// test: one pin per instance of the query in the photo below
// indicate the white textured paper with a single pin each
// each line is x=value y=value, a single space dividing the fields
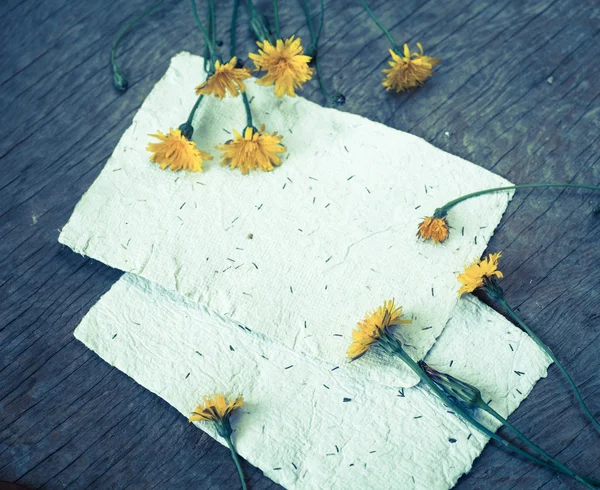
x=304 y=425
x=301 y=253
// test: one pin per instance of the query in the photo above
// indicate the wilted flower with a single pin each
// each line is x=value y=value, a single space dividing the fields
x=433 y=228
x=226 y=78
x=285 y=63
x=177 y=152
x=408 y=71
x=254 y=150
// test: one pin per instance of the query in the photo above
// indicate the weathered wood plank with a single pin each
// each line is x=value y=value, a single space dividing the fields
x=516 y=92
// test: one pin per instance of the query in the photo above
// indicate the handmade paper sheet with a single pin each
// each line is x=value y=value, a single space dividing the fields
x=303 y=424
x=299 y=254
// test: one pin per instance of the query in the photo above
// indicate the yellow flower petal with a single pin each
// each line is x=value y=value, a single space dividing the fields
x=254 y=150
x=408 y=71
x=432 y=228
x=177 y=152
x=285 y=63
x=475 y=273
x=372 y=327
x=226 y=78
x=215 y=408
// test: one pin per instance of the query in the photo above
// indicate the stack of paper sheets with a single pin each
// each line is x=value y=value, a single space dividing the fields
x=253 y=284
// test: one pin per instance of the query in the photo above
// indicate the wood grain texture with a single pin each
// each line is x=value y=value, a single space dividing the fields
x=517 y=92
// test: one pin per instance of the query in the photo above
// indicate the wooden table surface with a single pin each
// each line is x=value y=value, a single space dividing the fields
x=517 y=92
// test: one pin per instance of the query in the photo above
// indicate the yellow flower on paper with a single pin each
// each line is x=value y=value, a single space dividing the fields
x=216 y=408
x=285 y=63
x=432 y=228
x=254 y=150
x=408 y=71
x=176 y=151
x=226 y=78
x=474 y=275
x=373 y=327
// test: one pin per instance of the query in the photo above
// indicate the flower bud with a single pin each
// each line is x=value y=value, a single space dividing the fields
x=337 y=99
x=187 y=130
x=119 y=80
x=462 y=392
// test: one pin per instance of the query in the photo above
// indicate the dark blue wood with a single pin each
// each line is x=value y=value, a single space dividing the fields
x=517 y=92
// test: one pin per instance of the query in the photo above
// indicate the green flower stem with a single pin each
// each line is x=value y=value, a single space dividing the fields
x=193 y=111
x=204 y=32
x=233 y=39
x=125 y=30
x=443 y=211
x=397 y=349
x=248 y=110
x=236 y=460
x=313 y=50
x=395 y=47
x=588 y=482
x=549 y=352
x=276 y=19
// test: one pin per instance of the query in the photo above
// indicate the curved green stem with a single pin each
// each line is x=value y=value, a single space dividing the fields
x=248 y=110
x=204 y=32
x=559 y=365
x=236 y=460
x=465 y=416
x=122 y=32
x=193 y=111
x=276 y=19
x=380 y=25
x=443 y=211
x=588 y=482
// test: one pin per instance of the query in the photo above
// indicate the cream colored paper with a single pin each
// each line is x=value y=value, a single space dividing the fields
x=305 y=425
x=301 y=253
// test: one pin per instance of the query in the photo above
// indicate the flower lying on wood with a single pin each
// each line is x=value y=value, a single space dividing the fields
x=484 y=275
x=376 y=329
x=226 y=78
x=285 y=63
x=255 y=149
x=409 y=70
x=440 y=219
x=177 y=152
x=218 y=410
x=433 y=228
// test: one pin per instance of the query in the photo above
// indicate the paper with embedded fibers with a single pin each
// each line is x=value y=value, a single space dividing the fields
x=305 y=425
x=299 y=254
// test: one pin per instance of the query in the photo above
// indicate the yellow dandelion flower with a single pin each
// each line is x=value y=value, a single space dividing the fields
x=176 y=151
x=434 y=228
x=254 y=150
x=216 y=408
x=408 y=71
x=226 y=78
x=373 y=327
x=285 y=63
x=474 y=275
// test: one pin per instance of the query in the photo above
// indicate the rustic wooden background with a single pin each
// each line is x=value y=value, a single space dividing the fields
x=517 y=92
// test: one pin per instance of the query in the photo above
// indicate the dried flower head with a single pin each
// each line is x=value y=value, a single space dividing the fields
x=285 y=63
x=408 y=71
x=433 y=228
x=476 y=273
x=215 y=408
x=254 y=150
x=373 y=327
x=176 y=151
x=226 y=78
